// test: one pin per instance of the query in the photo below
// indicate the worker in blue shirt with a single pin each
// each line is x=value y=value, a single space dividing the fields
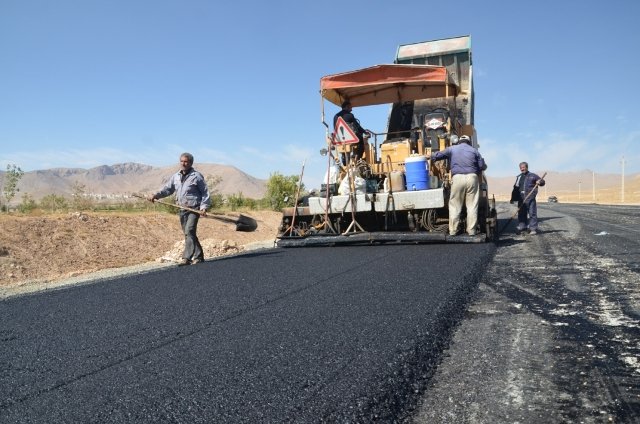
x=466 y=169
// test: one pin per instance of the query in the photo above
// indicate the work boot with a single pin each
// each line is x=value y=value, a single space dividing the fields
x=184 y=262
x=197 y=261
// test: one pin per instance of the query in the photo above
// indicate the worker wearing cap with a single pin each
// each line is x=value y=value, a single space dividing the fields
x=192 y=193
x=526 y=186
x=466 y=168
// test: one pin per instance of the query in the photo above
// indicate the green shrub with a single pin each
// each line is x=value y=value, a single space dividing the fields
x=10 y=186
x=27 y=204
x=281 y=190
x=80 y=201
x=54 y=203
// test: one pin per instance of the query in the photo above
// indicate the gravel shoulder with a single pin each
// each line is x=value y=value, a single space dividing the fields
x=46 y=252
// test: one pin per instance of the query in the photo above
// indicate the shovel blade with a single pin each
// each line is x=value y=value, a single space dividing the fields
x=243 y=223
x=246 y=224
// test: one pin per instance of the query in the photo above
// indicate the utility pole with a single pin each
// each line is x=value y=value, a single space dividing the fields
x=622 y=191
x=579 y=191
x=593 y=184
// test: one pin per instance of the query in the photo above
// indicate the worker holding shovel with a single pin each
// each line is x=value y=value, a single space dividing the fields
x=192 y=197
x=524 y=192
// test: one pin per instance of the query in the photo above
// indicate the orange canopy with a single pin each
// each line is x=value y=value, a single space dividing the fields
x=382 y=84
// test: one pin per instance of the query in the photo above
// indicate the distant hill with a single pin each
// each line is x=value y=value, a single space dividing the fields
x=127 y=178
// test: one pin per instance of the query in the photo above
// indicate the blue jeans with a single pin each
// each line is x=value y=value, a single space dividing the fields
x=192 y=247
x=530 y=208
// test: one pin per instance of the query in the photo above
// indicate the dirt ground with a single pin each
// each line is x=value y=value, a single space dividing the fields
x=49 y=248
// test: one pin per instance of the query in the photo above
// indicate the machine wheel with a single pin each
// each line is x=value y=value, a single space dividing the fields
x=483 y=214
x=492 y=231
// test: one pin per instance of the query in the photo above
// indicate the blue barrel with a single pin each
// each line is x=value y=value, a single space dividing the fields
x=416 y=173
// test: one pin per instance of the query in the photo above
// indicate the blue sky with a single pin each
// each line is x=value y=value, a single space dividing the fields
x=85 y=83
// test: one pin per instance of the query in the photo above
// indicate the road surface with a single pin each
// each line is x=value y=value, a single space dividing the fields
x=286 y=335
x=540 y=329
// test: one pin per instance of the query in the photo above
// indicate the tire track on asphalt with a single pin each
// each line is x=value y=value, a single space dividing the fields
x=552 y=336
x=590 y=299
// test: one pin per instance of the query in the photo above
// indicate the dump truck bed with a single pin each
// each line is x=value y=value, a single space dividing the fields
x=452 y=53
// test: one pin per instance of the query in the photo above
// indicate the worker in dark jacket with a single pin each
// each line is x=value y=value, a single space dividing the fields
x=347 y=114
x=466 y=169
x=525 y=190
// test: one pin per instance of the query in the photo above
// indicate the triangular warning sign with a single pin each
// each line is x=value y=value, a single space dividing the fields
x=343 y=133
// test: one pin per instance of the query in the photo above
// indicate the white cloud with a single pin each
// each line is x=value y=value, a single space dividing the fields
x=479 y=72
x=562 y=152
x=499 y=99
x=70 y=158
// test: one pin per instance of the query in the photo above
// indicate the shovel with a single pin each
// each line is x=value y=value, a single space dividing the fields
x=243 y=223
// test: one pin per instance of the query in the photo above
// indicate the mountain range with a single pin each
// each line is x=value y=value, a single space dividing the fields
x=127 y=178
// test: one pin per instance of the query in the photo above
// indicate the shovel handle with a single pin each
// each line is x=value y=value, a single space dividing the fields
x=242 y=222
x=170 y=204
x=179 y=207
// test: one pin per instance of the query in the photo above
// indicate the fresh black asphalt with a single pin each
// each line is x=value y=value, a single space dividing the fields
x=342 y=334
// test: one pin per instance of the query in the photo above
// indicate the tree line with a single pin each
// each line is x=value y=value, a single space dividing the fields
x=281 y=191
